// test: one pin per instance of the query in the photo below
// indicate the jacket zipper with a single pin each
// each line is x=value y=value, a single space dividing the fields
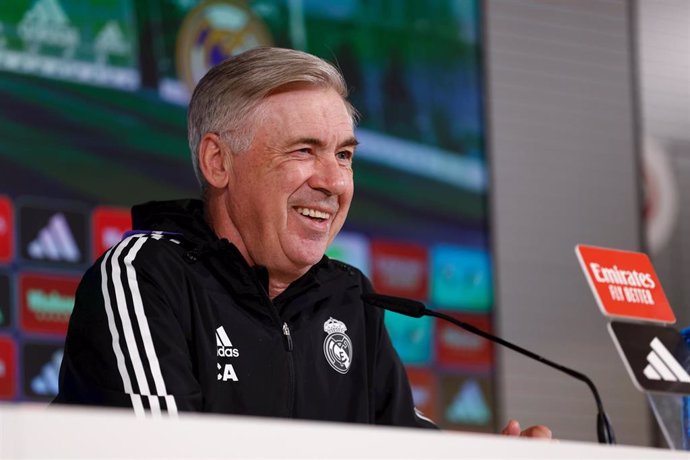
x=285 y=329
x=291 y=367
x=288 y=337
x=288 y=347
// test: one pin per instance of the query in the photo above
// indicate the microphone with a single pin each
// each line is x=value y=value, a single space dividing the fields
x=416 y=309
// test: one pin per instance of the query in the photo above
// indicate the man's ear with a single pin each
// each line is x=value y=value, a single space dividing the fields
x=214 y=162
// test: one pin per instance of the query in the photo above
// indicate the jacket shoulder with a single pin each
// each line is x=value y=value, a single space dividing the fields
x=337 y=268
x=151 y=243
x=145 y=252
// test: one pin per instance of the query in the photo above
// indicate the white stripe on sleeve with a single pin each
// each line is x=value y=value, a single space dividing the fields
x=128 y=331
x=119 y=357
x=142 y=321
x=121 y=303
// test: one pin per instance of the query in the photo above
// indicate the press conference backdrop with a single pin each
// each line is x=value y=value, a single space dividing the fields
x=93 y=99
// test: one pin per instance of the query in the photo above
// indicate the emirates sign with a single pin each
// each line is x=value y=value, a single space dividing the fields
x=625 y=284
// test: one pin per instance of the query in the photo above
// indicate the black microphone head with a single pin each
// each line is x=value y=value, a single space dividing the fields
x=400 y=305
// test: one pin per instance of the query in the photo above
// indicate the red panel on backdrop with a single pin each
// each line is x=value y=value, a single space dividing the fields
x=46 y=302
x=458 y=348
x=424 y=391
x=6 y=229
x=400 y=269
x=8 y=368
x=107 y=227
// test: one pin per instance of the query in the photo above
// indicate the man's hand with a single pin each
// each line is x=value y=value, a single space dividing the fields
x=537 y=431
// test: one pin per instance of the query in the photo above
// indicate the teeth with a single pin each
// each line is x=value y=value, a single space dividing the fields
x=313 y=213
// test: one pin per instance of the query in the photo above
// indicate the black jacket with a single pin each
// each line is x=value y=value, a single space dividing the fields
x=173 y=319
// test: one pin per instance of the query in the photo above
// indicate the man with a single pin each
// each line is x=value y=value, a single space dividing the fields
x=229 y=304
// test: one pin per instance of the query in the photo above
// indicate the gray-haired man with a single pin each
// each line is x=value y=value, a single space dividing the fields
x=228 y=304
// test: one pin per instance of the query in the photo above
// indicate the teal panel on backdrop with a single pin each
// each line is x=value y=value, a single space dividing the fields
x=461 y=278
x=411 y=337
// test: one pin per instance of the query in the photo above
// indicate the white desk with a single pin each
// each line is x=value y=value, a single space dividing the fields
x=30 y=431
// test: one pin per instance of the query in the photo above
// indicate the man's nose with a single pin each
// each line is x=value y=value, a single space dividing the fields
x=330 y=176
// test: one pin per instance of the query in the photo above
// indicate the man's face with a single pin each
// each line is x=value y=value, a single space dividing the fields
x=290 y=192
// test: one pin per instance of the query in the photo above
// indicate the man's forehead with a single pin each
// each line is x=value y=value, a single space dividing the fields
x=312 y=116
x=347 y=141
x=309 y=97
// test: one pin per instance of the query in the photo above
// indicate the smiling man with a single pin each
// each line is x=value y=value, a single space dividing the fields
x=228 y=304
x=283 y=200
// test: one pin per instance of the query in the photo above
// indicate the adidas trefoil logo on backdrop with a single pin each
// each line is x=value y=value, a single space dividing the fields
x=225 y=350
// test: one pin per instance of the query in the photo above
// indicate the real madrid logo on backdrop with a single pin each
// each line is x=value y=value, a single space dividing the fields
x=214 y=31
x=337 y=346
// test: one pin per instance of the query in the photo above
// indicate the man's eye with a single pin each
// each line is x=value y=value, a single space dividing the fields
x=344 y=155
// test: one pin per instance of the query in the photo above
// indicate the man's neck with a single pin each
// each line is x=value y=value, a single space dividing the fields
x=275 y=287
x=223 y=227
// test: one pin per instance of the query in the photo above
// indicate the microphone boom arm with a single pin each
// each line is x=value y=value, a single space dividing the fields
x=605 y=433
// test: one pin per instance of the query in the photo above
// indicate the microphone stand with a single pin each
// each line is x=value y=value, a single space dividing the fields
x=605 y=432
x=416 y=309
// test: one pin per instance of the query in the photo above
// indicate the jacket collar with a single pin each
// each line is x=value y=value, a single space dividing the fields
x=186 y=218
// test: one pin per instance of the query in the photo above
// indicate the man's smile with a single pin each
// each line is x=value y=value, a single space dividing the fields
x=313 y=213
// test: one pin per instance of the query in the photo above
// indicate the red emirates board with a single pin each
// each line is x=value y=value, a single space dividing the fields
x=46 y=302
x=625 y=284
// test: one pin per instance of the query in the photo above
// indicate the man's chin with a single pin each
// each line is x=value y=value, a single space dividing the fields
x=308 y=255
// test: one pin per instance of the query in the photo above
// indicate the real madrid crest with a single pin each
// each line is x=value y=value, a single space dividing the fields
x=337 y=346
x=212 y=32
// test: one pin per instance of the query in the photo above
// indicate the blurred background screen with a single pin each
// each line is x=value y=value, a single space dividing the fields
x=92 y=120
